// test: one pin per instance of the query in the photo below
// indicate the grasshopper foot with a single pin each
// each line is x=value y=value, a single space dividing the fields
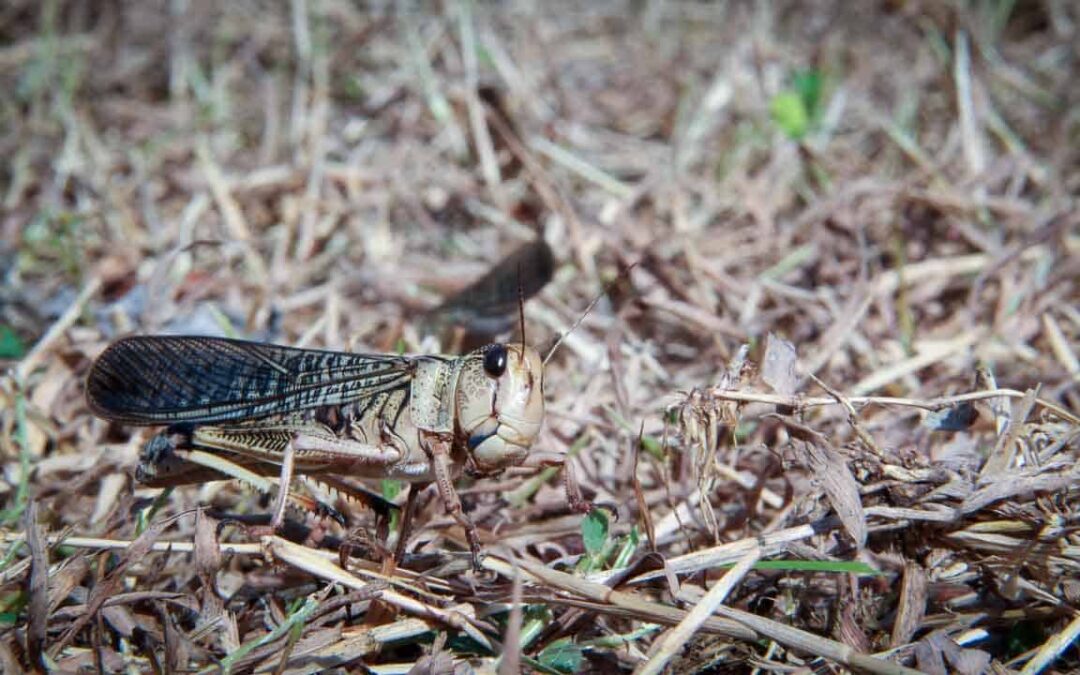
x=587 y=507
x=476 y=553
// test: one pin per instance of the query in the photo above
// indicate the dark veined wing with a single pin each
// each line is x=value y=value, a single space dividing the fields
x=199 y=380
x=488 y=306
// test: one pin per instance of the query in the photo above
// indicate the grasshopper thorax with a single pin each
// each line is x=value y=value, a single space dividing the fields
x=500 y=405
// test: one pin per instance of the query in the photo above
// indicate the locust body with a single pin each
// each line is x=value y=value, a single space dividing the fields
x=257 y=409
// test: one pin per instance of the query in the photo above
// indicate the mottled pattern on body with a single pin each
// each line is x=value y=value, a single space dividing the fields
x=433 y=390
x=473 y=384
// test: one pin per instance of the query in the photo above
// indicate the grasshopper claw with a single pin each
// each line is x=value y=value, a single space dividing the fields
x=478 y=560
x=610 y=508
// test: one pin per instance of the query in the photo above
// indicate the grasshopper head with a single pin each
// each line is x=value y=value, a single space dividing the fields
x=500 y=405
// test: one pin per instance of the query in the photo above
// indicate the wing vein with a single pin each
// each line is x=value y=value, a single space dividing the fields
x=167 y=379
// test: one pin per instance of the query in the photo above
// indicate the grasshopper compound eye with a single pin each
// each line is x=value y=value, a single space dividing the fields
x=495 y=360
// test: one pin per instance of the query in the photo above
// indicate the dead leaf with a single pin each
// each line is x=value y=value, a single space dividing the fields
x=120 y=619
x=8 y=662
x=969 y=661
x=929 y=658
x=841 y=488
x=38 y=586
x=850 y=631
x=108 y=586
x=937 y=648
x=67 y=579
x=207 y=550
x=111 y=487
x=434 y=664
x=912 y=604
x=779 y=366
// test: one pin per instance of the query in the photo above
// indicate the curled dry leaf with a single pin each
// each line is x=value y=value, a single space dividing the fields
x=831 y=471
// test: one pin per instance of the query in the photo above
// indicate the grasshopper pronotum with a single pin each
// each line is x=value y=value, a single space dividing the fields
x=247 y=409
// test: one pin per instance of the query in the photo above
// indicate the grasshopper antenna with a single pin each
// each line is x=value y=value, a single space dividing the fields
x=521 y=316
x=604 y=291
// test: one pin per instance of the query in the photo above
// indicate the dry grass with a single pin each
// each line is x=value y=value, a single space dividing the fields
x=318 y=175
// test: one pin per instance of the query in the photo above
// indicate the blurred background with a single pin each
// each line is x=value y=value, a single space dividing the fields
x=888 y=186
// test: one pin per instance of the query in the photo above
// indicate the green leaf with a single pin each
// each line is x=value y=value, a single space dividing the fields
x=653 y=447
x=1024 y=636
x=790 y=114
x=14 y=602
x=810 y=84
x=535 y=619
x=671 y=416
x=11 y=347
x=629 y=545
x=298 y=617
x=836 y=566
x=146 y=516
x=391 y=488
x=616 y=641
x=563 y=656
x=594 y=531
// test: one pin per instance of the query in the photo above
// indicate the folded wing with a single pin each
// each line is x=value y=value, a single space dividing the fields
x=198 y=380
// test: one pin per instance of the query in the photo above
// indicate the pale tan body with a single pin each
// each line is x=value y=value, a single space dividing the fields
x=390 y=436
x=455 y=415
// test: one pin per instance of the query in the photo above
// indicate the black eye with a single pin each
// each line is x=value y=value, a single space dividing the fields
x=495 y=360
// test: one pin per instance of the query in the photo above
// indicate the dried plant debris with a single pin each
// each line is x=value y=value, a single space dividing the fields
x=829 y=406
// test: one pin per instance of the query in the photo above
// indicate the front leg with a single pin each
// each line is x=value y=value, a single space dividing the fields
x=577 y=503
x=439 y=448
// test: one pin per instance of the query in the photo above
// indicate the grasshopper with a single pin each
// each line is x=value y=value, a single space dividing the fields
x=419 y=419
x=247 y=410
